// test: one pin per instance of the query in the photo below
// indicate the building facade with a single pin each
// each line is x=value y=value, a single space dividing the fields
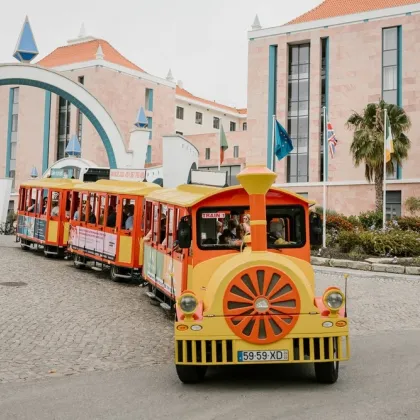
x=341 y=56
x=29 y=115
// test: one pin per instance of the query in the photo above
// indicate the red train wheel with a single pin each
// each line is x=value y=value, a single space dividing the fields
x=261 y=305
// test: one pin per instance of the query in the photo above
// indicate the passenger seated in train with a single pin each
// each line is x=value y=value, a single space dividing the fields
x=129 y=211
x=55 y=208
x=112 y=217
x=31 y=208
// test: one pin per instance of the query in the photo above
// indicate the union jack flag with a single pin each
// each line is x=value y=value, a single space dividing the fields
x=332 y=140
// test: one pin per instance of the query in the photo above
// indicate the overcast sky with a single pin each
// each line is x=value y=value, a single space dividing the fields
x=203 y=42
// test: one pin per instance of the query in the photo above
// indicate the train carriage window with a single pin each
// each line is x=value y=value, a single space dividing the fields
x=80 y=214
x=127 y=222
x=163 y=224
x=92 y=209
x=156 y=223
x=170 y=228
x=55 y=204
x=147 y=217
x=102 y=210
x=22 y=197
x=226 y=227
x=75 y=202
x=111 y=216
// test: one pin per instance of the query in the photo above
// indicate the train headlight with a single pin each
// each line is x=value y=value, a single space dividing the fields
x=188 y=303
x=334 y=299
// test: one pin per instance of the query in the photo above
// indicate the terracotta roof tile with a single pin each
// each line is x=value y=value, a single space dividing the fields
x=186 y=94
x=85 y=51
x=334 y=8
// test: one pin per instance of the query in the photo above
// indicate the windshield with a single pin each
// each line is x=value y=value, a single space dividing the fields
x=226 y=227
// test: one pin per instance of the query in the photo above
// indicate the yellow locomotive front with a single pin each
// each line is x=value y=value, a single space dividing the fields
x=258 y=306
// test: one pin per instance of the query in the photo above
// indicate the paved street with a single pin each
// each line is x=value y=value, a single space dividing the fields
x=75 y=345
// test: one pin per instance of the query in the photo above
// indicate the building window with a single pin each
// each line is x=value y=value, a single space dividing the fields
x=235 y=151
x=15 y=123
x=198 y=118
x=244 y=126
x=393 y=204
x=303 y=194
x=12 y=174
x=149 y=154
x=15 y=95
x=207 y=153
x=149 y=99
x=390 y=52
x=81 y=80
x=179 y=113
x=11 y=208
x=179 y=132
x=232 y=126
x=298 y=112
x=216 y=122
x=79 y=125
x=324 y=47
x=64 y=112
x=150 y=126
x=13 y=146
x=390 y=73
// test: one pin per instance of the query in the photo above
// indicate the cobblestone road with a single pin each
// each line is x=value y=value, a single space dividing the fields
x=66 y=321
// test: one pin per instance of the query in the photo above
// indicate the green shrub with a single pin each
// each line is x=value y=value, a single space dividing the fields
x=348 y=241
x=371 y=218
x=339 y=223
x=413 y=204
x=408 y=223
x=395 y=242
x=354 y=220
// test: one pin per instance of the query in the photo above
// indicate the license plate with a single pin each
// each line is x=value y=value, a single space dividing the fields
x=263 y=356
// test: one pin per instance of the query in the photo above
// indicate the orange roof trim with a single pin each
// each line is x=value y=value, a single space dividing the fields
x=334 y=8
x=86 y=51
x=186 y=94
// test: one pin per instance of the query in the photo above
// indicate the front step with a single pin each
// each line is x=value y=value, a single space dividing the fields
x=151 y=295
x=165 y=306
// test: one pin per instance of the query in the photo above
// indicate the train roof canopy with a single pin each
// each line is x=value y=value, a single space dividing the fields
x=49 y=183
x=118 y=187
x=188 y=195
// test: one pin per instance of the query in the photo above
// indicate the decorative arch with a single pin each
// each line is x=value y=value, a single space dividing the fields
x=95 y=112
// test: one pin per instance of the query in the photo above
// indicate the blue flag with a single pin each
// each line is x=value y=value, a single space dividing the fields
x=283 y=143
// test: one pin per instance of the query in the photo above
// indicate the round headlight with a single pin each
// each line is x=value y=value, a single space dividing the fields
x=188 y=303
x=334 y=300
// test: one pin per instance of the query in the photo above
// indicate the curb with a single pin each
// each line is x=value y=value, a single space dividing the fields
x=366 y=266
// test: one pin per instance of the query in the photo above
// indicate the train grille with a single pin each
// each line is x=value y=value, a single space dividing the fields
x=204 y=351
x=321 y=349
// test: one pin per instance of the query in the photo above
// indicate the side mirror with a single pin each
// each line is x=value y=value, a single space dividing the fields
x=184 y=233
x=315 y=229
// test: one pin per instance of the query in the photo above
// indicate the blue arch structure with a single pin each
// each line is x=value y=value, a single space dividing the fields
x=86 y=111
x=54 y=82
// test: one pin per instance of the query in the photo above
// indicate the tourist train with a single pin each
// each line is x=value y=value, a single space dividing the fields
x=232 y=264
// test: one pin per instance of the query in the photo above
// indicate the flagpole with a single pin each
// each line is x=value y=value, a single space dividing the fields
x=220 y=145
x=384 y=179
x=273 y=143
x=324 y=207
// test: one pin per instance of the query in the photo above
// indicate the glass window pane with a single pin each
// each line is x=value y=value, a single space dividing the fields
x=13 y=150
x=390 y=58
x=390 y=39
x=390 y=97
x=292 y=165
x=390 y=78
x=303 y=127
x=293 y=91
x=303 y=90
x=293 y=127
x=303 y=145
x=304 y=54
x=303 y=108
x=293 y=72
x=294 y=54
x=302 y=165
x=293 y=109
x=304 y=71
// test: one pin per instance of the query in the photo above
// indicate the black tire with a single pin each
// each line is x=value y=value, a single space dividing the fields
x=191 y=374
x=77 y=262
x=113 y=272
x=24 y=245
x=327 y=372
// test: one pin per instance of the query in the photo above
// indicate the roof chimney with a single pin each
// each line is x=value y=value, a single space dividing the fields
x=256 y=25
x=82 y=37
x=82 y=32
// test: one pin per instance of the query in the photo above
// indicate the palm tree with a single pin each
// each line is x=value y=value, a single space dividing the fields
x=368 y=142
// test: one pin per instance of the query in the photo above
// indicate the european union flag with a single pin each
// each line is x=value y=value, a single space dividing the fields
x=282 y=141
